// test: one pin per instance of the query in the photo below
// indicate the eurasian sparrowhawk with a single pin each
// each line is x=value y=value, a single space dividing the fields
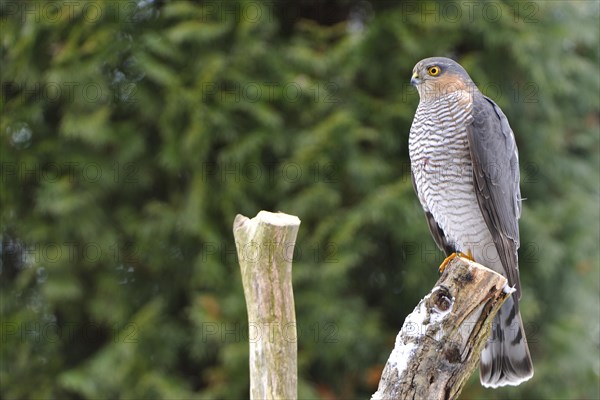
x=465 y=170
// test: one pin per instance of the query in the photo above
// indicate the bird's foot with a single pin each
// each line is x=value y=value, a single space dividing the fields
x=468 y=255
x=446 y=261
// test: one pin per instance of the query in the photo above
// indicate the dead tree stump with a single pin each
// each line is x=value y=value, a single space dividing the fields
x=439 y=344
x=265 y=246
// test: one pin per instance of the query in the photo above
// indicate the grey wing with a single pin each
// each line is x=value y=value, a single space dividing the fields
x=496 y=178
x=436 y=232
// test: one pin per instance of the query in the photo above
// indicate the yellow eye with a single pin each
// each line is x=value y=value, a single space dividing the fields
x=433 y=71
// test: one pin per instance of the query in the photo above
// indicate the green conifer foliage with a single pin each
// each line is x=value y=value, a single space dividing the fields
x=133 y=132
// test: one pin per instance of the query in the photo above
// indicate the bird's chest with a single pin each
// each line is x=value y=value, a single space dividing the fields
x=439 y=148
x=441 y=163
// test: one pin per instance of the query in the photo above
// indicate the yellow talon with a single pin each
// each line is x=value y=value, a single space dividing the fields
x=446 y=261
x=468 y=255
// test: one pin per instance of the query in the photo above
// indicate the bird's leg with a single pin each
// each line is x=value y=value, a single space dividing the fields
x=468 y=255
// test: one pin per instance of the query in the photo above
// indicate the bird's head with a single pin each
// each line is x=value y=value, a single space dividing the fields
x=438 y=76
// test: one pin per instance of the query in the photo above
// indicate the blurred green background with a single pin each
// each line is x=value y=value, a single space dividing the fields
x=132 y=133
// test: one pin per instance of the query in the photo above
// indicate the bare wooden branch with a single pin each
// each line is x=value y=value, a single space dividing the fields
x=265 y=246
x=439 y=344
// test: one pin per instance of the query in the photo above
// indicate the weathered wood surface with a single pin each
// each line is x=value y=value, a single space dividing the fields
x=265 y=246
x=439 y=344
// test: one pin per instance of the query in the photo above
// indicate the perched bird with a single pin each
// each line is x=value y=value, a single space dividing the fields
x=465 y=170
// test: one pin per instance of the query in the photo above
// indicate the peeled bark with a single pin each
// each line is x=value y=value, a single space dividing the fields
x=265 y=246
x=438 y=347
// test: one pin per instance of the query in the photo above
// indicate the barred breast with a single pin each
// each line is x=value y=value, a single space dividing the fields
x=443 y=173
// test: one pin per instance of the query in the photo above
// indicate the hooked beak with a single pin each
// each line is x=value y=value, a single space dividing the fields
x=415 y=79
